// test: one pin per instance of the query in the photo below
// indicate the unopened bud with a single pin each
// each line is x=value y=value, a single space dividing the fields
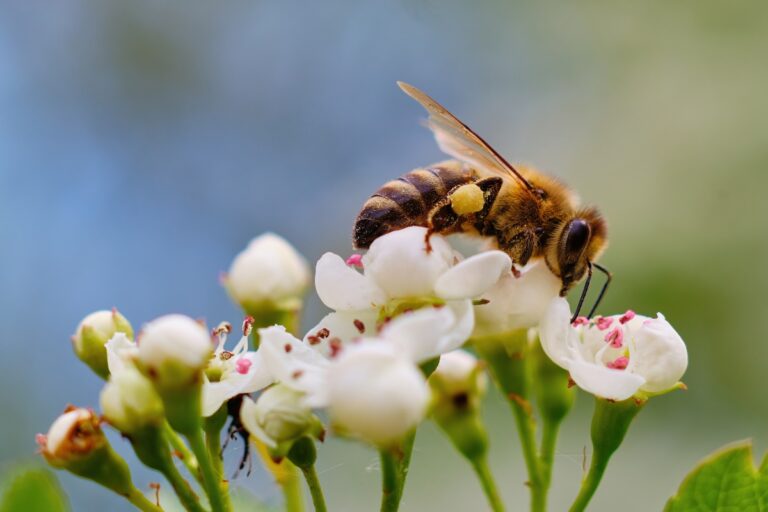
x=129 y=402
x=91 y=335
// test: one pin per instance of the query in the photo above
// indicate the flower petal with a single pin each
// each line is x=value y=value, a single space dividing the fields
x=343 y=288
x=555 y=333
x=473 y=276
x=604 y=382
x=419 y=334
x=119 y=350
x=659 y=355
x=344 y=325
x=289 y=360
x=249 y=419
x=399 y=263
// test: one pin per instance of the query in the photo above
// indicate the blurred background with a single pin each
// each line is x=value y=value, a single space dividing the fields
x=142 y=144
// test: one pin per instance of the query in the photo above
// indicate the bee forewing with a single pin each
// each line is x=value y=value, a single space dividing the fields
x=459 y=141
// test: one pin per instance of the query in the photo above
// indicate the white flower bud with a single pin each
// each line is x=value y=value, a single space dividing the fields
x=73 y=436
x=268 y=271
x=174 y=350
x=279 y=415
x=375 y=393
x=91 y=335
x=129 y=402
x=459 y=373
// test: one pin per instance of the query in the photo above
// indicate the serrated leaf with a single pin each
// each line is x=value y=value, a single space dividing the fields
x=726 y=481
x=33 y=490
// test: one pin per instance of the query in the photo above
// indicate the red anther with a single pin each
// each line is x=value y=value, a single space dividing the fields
x=335 y=345
x=248 y=325
x=603 y=322
x=313 y=340
x=626 y=317
x=620 y=363
x=580 y=320
x=296 y=374
x=360 y=326
x=323 y=333
x=288 y=347
x=615 y=337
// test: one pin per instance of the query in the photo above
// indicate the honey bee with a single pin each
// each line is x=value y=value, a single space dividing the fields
x=523 y=212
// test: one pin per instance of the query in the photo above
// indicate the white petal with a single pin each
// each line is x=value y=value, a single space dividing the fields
x=341 y=287
x=119 y=350
x=258 y=375
x=659 y=355
x=605 y=382
x=473 y=276
x=399 y=264
x=344 y=325
x=517 y=302
x=216 y=393
x=555 y=333
x=289 y=360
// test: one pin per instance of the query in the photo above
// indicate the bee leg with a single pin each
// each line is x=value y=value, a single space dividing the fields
x=441 y=219
x=490 y=187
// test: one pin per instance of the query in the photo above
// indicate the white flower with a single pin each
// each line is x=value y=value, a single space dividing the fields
x=129 y=402
x=232 y=373
x=93 y=332
x=279 y=415
x=375 y=394
x=400 y=275
x=614 y=357
x=173 y=350
x=517 y=302
x=459 y=373
x=269 y=270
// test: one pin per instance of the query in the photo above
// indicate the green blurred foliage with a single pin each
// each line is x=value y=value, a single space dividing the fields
x=32 y=490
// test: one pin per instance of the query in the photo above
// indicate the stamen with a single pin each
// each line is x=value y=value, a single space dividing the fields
x=620 y=363
x=335 y=345
x=313 y=340
x=359 y=325
x=355 y=260
x=288 y=347
x=626 y=317
x=603 y=322
x=243 y=365
x=615 y=337
x=581 y=320
x=323 y=333
x=248 y=325
x=296 y=374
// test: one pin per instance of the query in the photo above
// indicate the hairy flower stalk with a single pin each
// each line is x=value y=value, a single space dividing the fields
x=458 y=386
x=623 y=360
x=76 y=443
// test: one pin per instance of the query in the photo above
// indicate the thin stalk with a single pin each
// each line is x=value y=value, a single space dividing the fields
x=141 y=502
x=480 y=465
x=391 y=489
x=182 y=451
x=547 y=452
x=181 y=487
x=510 y=372
x=590 y=483
x=211 y=481
x=313 y=482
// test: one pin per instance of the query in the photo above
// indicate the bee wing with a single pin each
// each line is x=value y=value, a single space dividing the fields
x=458 y=140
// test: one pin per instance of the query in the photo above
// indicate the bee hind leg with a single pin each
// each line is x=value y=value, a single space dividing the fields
x=441 y=219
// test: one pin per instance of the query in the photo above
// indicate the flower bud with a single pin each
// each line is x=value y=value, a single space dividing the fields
x=75 y=442
x=174 y=350
x=375 y=393
x=91 y=335
x=129 y=402
x=268 y=275
x=279 y=416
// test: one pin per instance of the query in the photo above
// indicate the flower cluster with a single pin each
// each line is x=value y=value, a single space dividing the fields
x=387 y=357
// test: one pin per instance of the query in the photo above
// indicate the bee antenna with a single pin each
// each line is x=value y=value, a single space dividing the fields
x=583 y=292
x=608 y=277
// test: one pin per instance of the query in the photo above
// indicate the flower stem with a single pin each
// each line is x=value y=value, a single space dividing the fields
x=187 y=497
x=318 y=500
x=610 y=423
x=547 y=452
x=141 y=502
x=509 y=369
x=480 y=465
x=391 y=485
x=182 y=452
x=211 y=480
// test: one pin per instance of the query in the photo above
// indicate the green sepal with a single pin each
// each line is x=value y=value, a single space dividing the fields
x=105 y=467
x=555 y=394
x=466 y=431
x=303 y=453
x=183 y=407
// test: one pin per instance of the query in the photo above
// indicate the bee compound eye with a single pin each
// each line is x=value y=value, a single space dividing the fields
x=577 y=235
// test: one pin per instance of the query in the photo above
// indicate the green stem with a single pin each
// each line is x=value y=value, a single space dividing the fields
x=141 y=502
x=318 y=500
x=510 y=372
x=211 y=481
x=181 y=487
x=391 y=489
x=547 y=452
x=291 y=488
x=480 y=465
x=182 y=452
x=610 y=423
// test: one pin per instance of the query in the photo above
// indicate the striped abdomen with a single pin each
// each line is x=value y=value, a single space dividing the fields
x=407 y=200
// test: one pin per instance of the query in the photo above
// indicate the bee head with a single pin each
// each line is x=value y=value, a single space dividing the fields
x=577 y=242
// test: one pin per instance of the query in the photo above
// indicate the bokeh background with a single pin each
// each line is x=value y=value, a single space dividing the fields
x=142 y=144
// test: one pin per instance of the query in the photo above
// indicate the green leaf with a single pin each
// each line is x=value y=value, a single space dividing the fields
x=726 y=481
x=33 y=490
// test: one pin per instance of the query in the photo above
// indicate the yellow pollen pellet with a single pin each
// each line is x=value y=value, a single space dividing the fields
x=467 y=199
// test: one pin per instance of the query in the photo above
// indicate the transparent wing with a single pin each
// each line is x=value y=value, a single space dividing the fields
x=459 y=141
